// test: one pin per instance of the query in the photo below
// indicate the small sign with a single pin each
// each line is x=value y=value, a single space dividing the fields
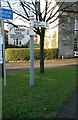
x=17 y=36
x=6 y=13
x=36 y=46
x=41 y=24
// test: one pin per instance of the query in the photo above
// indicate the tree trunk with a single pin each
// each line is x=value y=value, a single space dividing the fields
x=42 y=52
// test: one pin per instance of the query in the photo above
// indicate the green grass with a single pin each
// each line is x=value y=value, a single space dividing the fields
x=41 y=101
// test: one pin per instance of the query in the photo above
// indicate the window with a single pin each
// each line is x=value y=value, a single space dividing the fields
x=75 y=45
x=76 y=24
x=16 y=41
x=20 y=42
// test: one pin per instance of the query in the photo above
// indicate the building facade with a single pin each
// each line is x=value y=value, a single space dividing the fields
x=66 y=37
x=18 y=36
x=68 y=32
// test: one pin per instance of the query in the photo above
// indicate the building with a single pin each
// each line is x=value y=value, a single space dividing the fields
x=18 y=36
x=49 y=40
x=68 y=33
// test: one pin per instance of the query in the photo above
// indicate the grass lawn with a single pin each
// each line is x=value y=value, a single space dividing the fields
x=41 y=101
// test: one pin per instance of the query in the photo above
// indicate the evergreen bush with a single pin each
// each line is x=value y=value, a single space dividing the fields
x=23 y=54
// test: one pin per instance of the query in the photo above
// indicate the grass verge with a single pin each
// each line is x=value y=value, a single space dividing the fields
x=41 y=101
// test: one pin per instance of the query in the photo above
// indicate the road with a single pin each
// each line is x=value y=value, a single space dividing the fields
x=11 y=66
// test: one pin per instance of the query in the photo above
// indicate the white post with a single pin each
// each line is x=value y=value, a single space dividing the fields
x=31 y=48
x=4 y=62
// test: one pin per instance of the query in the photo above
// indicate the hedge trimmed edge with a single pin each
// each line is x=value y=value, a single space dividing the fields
x=23 y=54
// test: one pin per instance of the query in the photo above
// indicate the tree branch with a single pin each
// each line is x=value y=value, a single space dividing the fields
x=24 y=8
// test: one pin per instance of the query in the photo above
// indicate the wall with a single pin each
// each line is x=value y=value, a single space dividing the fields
x=66 y=36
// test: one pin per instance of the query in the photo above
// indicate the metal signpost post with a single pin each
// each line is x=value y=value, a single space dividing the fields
x=32 y=24
x=1 y=43
x=4 y=61
x=4 y=14
x=31 y=16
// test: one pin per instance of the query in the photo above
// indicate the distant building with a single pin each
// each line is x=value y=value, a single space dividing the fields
x=18 y=36
x=49 y=38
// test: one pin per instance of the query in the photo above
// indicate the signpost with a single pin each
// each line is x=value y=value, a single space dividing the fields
x=32 y=25
x=1 y=43
x=4 y=14
x=40 y=24
x=31 y=48
x=4 y=61
x=17 y=36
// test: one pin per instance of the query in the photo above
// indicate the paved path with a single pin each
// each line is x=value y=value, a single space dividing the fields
x=47 y=63
x=69 y=108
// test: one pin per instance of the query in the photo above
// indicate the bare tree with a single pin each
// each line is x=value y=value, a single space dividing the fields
x=49 y=11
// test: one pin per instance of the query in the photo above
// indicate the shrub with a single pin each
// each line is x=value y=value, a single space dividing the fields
x=36 y=54
x=23 y=54
x=15 y=54
x=51 y=54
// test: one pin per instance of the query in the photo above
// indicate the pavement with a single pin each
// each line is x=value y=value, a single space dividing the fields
x=70 y=107
x=47 y=64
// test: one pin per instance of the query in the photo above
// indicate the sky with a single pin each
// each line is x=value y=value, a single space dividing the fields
x=15 y=4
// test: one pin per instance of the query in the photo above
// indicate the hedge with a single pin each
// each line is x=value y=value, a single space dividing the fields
x=23 y=54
